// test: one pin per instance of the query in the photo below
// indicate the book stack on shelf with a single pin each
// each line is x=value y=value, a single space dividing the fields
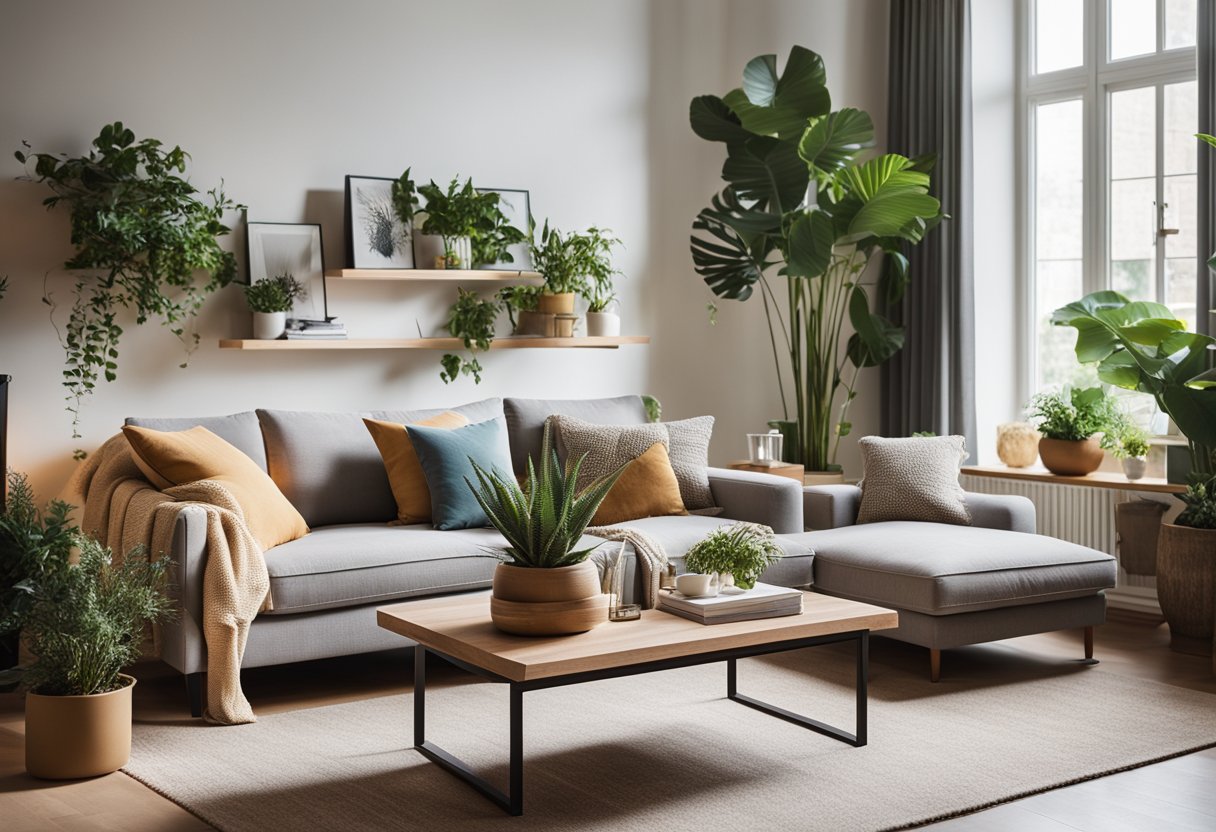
x=761 y=601
x=302 y=329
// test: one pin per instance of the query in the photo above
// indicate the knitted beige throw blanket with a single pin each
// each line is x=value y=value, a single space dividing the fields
x=650 y=556
x=122 y=510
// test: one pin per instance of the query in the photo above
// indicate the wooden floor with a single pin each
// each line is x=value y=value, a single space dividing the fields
x=1176 y=794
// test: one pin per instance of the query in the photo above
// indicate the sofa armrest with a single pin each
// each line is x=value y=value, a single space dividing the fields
x=758 y=498
x=831 y=506
x=181 y=637
x=1009 y=512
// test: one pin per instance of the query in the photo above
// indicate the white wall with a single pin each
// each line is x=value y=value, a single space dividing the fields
x=583 y=103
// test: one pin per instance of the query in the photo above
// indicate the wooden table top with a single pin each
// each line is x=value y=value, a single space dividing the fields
x=460 y=626
x=1098 y=479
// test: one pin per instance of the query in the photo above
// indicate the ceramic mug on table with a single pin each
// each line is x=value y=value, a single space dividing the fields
x=695 y=585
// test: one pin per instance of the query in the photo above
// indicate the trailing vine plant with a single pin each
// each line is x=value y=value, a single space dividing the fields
x=142 y=236
x=471 y=319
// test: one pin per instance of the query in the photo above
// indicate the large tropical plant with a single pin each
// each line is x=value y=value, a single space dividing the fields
x=800 y=205
x=1141 y=346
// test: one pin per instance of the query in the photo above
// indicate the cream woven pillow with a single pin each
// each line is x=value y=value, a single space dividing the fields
x=913 y=479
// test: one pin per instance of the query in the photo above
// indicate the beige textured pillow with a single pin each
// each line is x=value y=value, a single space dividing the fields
x=913 y=479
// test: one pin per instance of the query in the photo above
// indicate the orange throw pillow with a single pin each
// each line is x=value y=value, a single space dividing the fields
x=647 y=488
x=405 y=475
x=169 y=458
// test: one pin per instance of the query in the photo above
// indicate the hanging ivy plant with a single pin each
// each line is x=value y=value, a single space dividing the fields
x=142 y=237
x=471 y=319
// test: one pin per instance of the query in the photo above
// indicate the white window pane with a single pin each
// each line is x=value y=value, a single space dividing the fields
x=1180 y=19
x=1181 y=212
x=1133 y=28
x=1133 y=133
x=1133 y=278
x=1059 y=34
x=1180 y=287
x=1058 y=189
x=1132 y=219
x=1058 y=282
x=1181 y=124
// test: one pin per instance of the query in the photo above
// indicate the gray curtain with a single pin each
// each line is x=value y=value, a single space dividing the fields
x=1206 y=48
x=929 y=384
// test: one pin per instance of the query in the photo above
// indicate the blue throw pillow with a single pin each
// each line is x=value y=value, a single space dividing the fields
x=444 y=456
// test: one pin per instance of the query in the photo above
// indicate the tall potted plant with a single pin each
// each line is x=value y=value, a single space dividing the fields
x=1186 y=569
x=800 y=205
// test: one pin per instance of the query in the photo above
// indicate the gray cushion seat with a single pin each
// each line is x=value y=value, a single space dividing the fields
x=941 y=569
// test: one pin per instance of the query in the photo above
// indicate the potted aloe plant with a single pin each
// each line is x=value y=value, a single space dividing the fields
x=544 y=586
x=270 y=300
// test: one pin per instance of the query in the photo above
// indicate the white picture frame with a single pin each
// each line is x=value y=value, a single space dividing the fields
x=276 y=248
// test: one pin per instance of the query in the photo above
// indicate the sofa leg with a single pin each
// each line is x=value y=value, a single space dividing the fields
x=1089 y=643
x=194 y=689
x=935 y=664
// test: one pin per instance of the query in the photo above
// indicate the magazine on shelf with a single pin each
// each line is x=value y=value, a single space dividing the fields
x=302 y=329
x=761 y=601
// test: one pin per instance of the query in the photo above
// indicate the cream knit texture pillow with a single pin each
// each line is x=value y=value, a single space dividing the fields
x=913 y=479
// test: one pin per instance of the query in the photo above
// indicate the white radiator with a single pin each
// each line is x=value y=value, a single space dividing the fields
x=1083 y=515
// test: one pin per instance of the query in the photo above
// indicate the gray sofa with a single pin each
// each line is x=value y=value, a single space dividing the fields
x=957 y=585
x=327 y=585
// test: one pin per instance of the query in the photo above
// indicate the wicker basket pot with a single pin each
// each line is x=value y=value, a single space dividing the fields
x=1186 y=586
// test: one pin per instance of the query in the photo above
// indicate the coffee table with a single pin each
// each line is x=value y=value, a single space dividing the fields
x=457 y=628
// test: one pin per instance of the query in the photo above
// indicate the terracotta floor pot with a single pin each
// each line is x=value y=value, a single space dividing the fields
x=1071 y=459
x=68 y=737
x=1186 y=586
x=547 y=601
x=561 y=304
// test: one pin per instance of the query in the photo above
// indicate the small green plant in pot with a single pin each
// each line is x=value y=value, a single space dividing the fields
x=738 y=554
x=600 y=289
x=545 y=584
x=270 y=300
x=520 y=303
x=1077 y=425
x=1131 y=448
x=570 y=262
x=471 y=224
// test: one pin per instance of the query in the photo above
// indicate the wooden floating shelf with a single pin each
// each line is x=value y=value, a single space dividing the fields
x=504 y=343
x=512 y=278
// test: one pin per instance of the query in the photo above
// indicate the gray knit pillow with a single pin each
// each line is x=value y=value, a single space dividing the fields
x=913 y=479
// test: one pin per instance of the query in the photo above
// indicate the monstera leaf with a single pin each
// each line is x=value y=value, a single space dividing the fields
x=875 y=339
x=767 y=171
x=733 y=251
x=834 y=140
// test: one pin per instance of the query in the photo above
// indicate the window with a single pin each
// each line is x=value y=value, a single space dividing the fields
x=1110 y=114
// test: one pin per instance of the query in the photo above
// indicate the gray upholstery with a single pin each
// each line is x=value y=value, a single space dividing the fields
x=835 y=506
x=318 y=635
x=240 y=430
x=774 y=501
x=941 y=569
x=526 y=419
x=1012 y=512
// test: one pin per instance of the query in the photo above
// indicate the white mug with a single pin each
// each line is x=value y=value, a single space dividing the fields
x=694 y=585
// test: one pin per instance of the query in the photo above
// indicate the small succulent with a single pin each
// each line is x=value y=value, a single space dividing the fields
x=1200 y=499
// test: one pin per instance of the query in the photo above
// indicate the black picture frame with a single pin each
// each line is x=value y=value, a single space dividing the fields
x=379 y=240
x=288 y=249
x=518 y=216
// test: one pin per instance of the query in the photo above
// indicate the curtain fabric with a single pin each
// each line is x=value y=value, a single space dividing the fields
x=930 y=384
x=1205 y=44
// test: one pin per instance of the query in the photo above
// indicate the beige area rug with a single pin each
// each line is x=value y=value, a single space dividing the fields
x=668 y=751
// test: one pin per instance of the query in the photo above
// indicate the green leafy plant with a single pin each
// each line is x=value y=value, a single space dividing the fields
x=1141 y=346
x=143 y=236
x=275 y=294
x=33 y=544
x=494 y=234
x=799 y=204
x=654 y=409
x=519 y=299
x=544 y=519
x=574 y=262
x=1131 y=441
x=1075 y=415
x=744 y=550
x=1200 y=500
x=405 y=198
x=461 y=211
x=471 y=319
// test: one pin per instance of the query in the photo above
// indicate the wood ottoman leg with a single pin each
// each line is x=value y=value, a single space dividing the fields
x=1089 y=642
x=194 y=689
x=935 y=664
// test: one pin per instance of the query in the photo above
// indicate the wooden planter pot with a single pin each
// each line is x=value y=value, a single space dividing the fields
x=1138 y=524
x=1186 y=586
x=68 y=737
x=547 y=602
x=1070 y=459
x=559 y=304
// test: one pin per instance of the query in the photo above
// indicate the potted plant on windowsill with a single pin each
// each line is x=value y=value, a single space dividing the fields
x=1076 y=425
x=270 y=300
x=1131 y=449
x=544 y=586
x=738 y=554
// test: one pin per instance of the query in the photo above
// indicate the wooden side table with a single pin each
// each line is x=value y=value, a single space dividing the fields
x=784 y=469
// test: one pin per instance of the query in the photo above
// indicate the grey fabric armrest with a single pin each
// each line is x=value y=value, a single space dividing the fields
x=831 y=506
x=1001 y=511
x=758 y=498
x=181 y=645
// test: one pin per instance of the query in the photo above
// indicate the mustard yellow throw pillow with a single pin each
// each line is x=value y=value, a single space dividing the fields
x=169 y=458
x=405 y=475
x=647 y=488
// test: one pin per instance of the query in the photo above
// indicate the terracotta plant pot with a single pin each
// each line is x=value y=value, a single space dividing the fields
x=68 y=737
x=547 y=602
x=1186 y=586
x=1071 y=459
x=562 y=304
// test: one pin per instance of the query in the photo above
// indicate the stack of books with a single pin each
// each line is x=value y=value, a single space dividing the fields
x=302 y=329
x=761 y=601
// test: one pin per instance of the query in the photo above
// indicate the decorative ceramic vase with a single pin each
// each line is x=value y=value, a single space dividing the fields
x=603 y=324
x=1138 y=524
x=1017 y=444
x=560 y=304
x=547 y=602
x=267 y=326
x=1186 y=585
x=1071 y=459
x=68 y=737
x=1133 y=467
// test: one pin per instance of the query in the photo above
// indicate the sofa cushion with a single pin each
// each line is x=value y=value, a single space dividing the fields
x=912 y=478
x=242 y=431
x=526 y=420
x=405 y=475
x=450 y=459
x=327 y=465
x=646 y=488
x=941 y=569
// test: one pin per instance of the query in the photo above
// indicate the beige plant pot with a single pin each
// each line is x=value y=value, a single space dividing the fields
x=530 y=322
x=561 y=304
x=68 y=737
x=1186 y=586
x=547 y=602
x=1017 y=444
x=1071 y=459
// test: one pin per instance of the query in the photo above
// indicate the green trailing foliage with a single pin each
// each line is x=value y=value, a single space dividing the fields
x=34 y=543
x=1075 y=415
x=471 y=319
x=743 y=550
x=578 y=261
x=275 y=294
x=143 y=236
x=544 y=519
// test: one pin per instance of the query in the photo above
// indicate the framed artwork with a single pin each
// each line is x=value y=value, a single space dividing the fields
x=376 y=238
x=278 y=248
x=516 y=206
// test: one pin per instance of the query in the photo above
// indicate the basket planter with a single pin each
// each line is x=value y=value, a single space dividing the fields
x=1186 y=586
x=547 y=602
x=1071 y=459
x=1138 y=524
x=559 y=304
x=68 y=737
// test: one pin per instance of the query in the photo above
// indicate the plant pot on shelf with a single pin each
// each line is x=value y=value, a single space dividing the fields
x=68 y=737
x=531 y=322
x=601 y=324
x=1134 y=467
x=1138 y=524
x=1071 y=459
x=563 y=325
x=268 y=326
x=547 y=602
x=462 y=255
x=559 y=304
x=1186 y=586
